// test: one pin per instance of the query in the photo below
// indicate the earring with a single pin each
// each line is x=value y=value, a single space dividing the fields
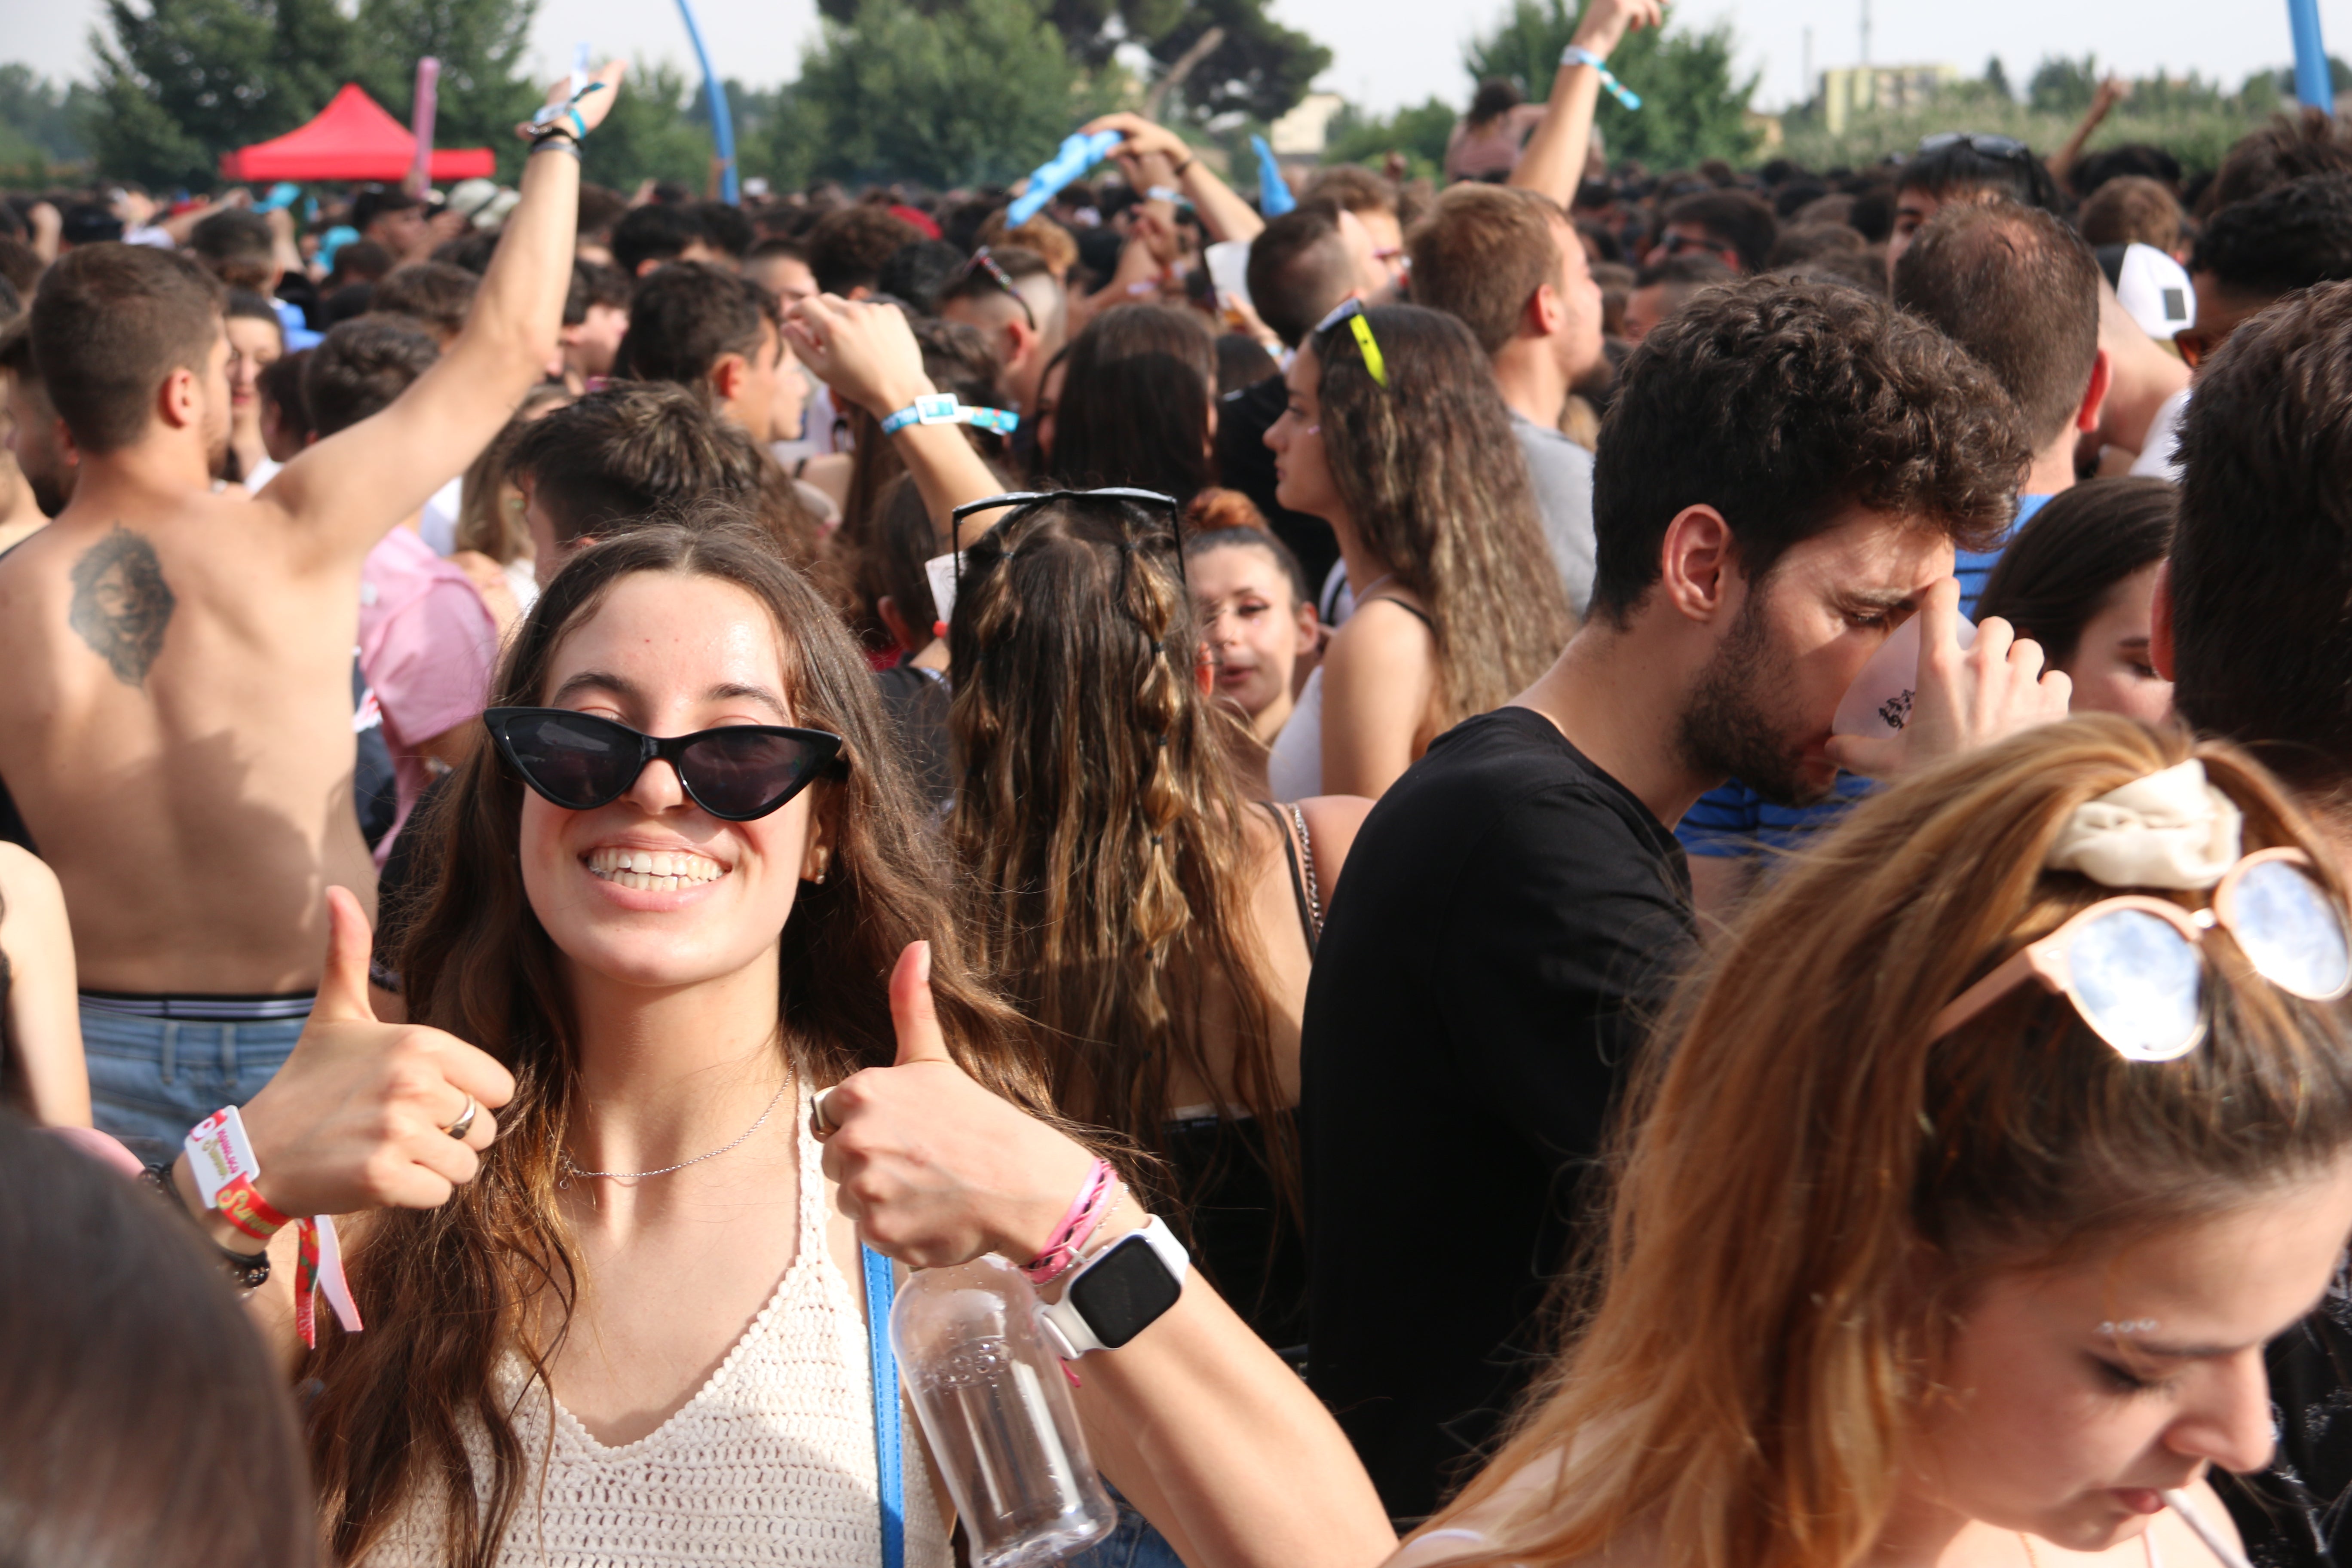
x=823 y=862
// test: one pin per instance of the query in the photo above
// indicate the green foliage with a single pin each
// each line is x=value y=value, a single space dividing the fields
x=1261 y=69
x=1420 y=133
x=978 y=92
x=37 y=119
x=2063 y=86
x=649 y=134
x=182 y=81
x=1692 y=109
x=480 y=43
x=1996 y=78
x=2196 y=133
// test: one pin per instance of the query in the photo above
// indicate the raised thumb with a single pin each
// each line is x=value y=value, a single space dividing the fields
x=343 y=987
x=917 y=1020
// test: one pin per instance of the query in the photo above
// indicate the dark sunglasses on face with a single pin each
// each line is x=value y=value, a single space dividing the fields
x=737 y=772
x=987 y=265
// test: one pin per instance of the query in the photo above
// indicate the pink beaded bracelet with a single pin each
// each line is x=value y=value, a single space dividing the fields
x=1096 y=1197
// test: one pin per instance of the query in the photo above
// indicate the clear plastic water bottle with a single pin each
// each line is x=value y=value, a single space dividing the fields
x=996 y=1407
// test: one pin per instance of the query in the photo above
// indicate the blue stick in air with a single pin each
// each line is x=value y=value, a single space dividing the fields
x=1078 y=153
x=722 y=123
x=2312 y=83
x=1274 y=198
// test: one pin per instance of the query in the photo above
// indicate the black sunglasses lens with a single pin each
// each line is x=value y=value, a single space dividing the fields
x=744 y=773
x=574 y=760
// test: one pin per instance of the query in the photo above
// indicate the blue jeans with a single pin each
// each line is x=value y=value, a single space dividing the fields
x=151 y=1079
x=1133 y=1543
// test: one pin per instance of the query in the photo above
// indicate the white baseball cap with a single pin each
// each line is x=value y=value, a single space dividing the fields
x=2153 y=287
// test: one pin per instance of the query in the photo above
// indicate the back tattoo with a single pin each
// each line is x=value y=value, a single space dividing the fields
x=122 y=603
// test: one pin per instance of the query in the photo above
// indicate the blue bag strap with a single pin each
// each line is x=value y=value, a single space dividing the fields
x=889 y=1449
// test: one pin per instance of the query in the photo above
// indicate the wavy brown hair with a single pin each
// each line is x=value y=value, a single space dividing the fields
x=1800 y=1155
x=1435 y=482
x=1097 y=822
x=450 y=1290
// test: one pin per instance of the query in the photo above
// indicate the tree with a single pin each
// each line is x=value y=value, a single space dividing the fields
x=1691 y=108
x=978 y=92
x=1260 y=69
x=1997 y=78
x=649 y=134
x=2063 y=86
x=483 y=91
x=1420 y=133
x=183 y=81
x=37 y=119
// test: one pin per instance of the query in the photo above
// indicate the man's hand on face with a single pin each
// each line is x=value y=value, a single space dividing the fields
x=1964 y=699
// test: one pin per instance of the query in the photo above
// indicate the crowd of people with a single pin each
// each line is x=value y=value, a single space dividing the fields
x=1647 y=867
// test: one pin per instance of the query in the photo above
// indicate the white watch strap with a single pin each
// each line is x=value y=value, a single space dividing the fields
x=1067 y=1330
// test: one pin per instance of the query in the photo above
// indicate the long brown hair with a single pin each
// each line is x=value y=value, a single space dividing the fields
x=1097 y=821
x=1801 y=1158
x=448 y=1290
x=1434 y=481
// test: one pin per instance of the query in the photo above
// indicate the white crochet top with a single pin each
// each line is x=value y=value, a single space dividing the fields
x=771 y=1460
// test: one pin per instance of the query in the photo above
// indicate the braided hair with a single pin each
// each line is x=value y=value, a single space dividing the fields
x=1099 y=822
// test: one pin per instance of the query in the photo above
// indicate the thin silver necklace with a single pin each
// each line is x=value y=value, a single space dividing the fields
x=571 y=1168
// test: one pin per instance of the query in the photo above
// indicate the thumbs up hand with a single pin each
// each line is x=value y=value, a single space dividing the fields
x=357 y=1117
x=935 y=1169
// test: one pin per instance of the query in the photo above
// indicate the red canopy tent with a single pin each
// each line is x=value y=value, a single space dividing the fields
x=351 y=139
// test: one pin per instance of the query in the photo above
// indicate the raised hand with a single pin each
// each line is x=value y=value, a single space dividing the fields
x=1605 y=23
x=865 y=352
x=934 y=1169
x=355 y=1118
x=1962 y=700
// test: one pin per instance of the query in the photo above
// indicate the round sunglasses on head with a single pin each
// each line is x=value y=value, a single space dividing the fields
x=2132 y=966
x=737 y=772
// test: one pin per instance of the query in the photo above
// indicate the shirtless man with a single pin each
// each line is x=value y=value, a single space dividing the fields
x=175 y=727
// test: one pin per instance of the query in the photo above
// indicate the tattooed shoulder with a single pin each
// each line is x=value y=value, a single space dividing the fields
x=122 y=603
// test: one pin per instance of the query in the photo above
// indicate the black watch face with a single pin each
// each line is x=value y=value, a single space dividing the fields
x=1125 y=1292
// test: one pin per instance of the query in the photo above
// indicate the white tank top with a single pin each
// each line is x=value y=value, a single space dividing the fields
x=770 y=1461
x=1294 y=768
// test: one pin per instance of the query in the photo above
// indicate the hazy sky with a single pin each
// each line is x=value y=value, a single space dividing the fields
x=1388 y=52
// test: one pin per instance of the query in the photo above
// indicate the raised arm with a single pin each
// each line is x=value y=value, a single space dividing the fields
x=868 y=355
x=1553 y=161
x=349 y=490
x=1205 y=1429
x=1222 y=213
x=2111 y=91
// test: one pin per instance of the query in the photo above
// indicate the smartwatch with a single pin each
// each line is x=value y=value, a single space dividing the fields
x=1118 y=1293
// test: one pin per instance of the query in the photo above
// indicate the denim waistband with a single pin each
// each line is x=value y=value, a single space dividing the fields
x=203 y=1008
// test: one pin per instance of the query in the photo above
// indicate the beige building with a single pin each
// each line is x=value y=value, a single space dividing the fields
x=1848 y=90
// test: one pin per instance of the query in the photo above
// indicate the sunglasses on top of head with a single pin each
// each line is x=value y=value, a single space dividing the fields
x=737 y=772
x=1020 y=504
x=993 y=270
x=1981 y=143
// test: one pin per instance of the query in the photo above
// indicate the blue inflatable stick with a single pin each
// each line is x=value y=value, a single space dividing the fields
x=1079 y=153
x=1274 y=198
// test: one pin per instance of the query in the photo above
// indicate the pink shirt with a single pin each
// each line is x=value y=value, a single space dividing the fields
x=428 y=643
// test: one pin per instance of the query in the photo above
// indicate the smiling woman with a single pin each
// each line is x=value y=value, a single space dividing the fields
x=665 y=899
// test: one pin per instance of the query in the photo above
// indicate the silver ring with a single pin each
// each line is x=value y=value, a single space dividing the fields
x=821 y=1123
x=465 y=1124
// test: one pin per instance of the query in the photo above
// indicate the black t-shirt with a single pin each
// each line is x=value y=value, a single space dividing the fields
x=1245 y=463
x=1505 y=929
x=2298 y=1512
